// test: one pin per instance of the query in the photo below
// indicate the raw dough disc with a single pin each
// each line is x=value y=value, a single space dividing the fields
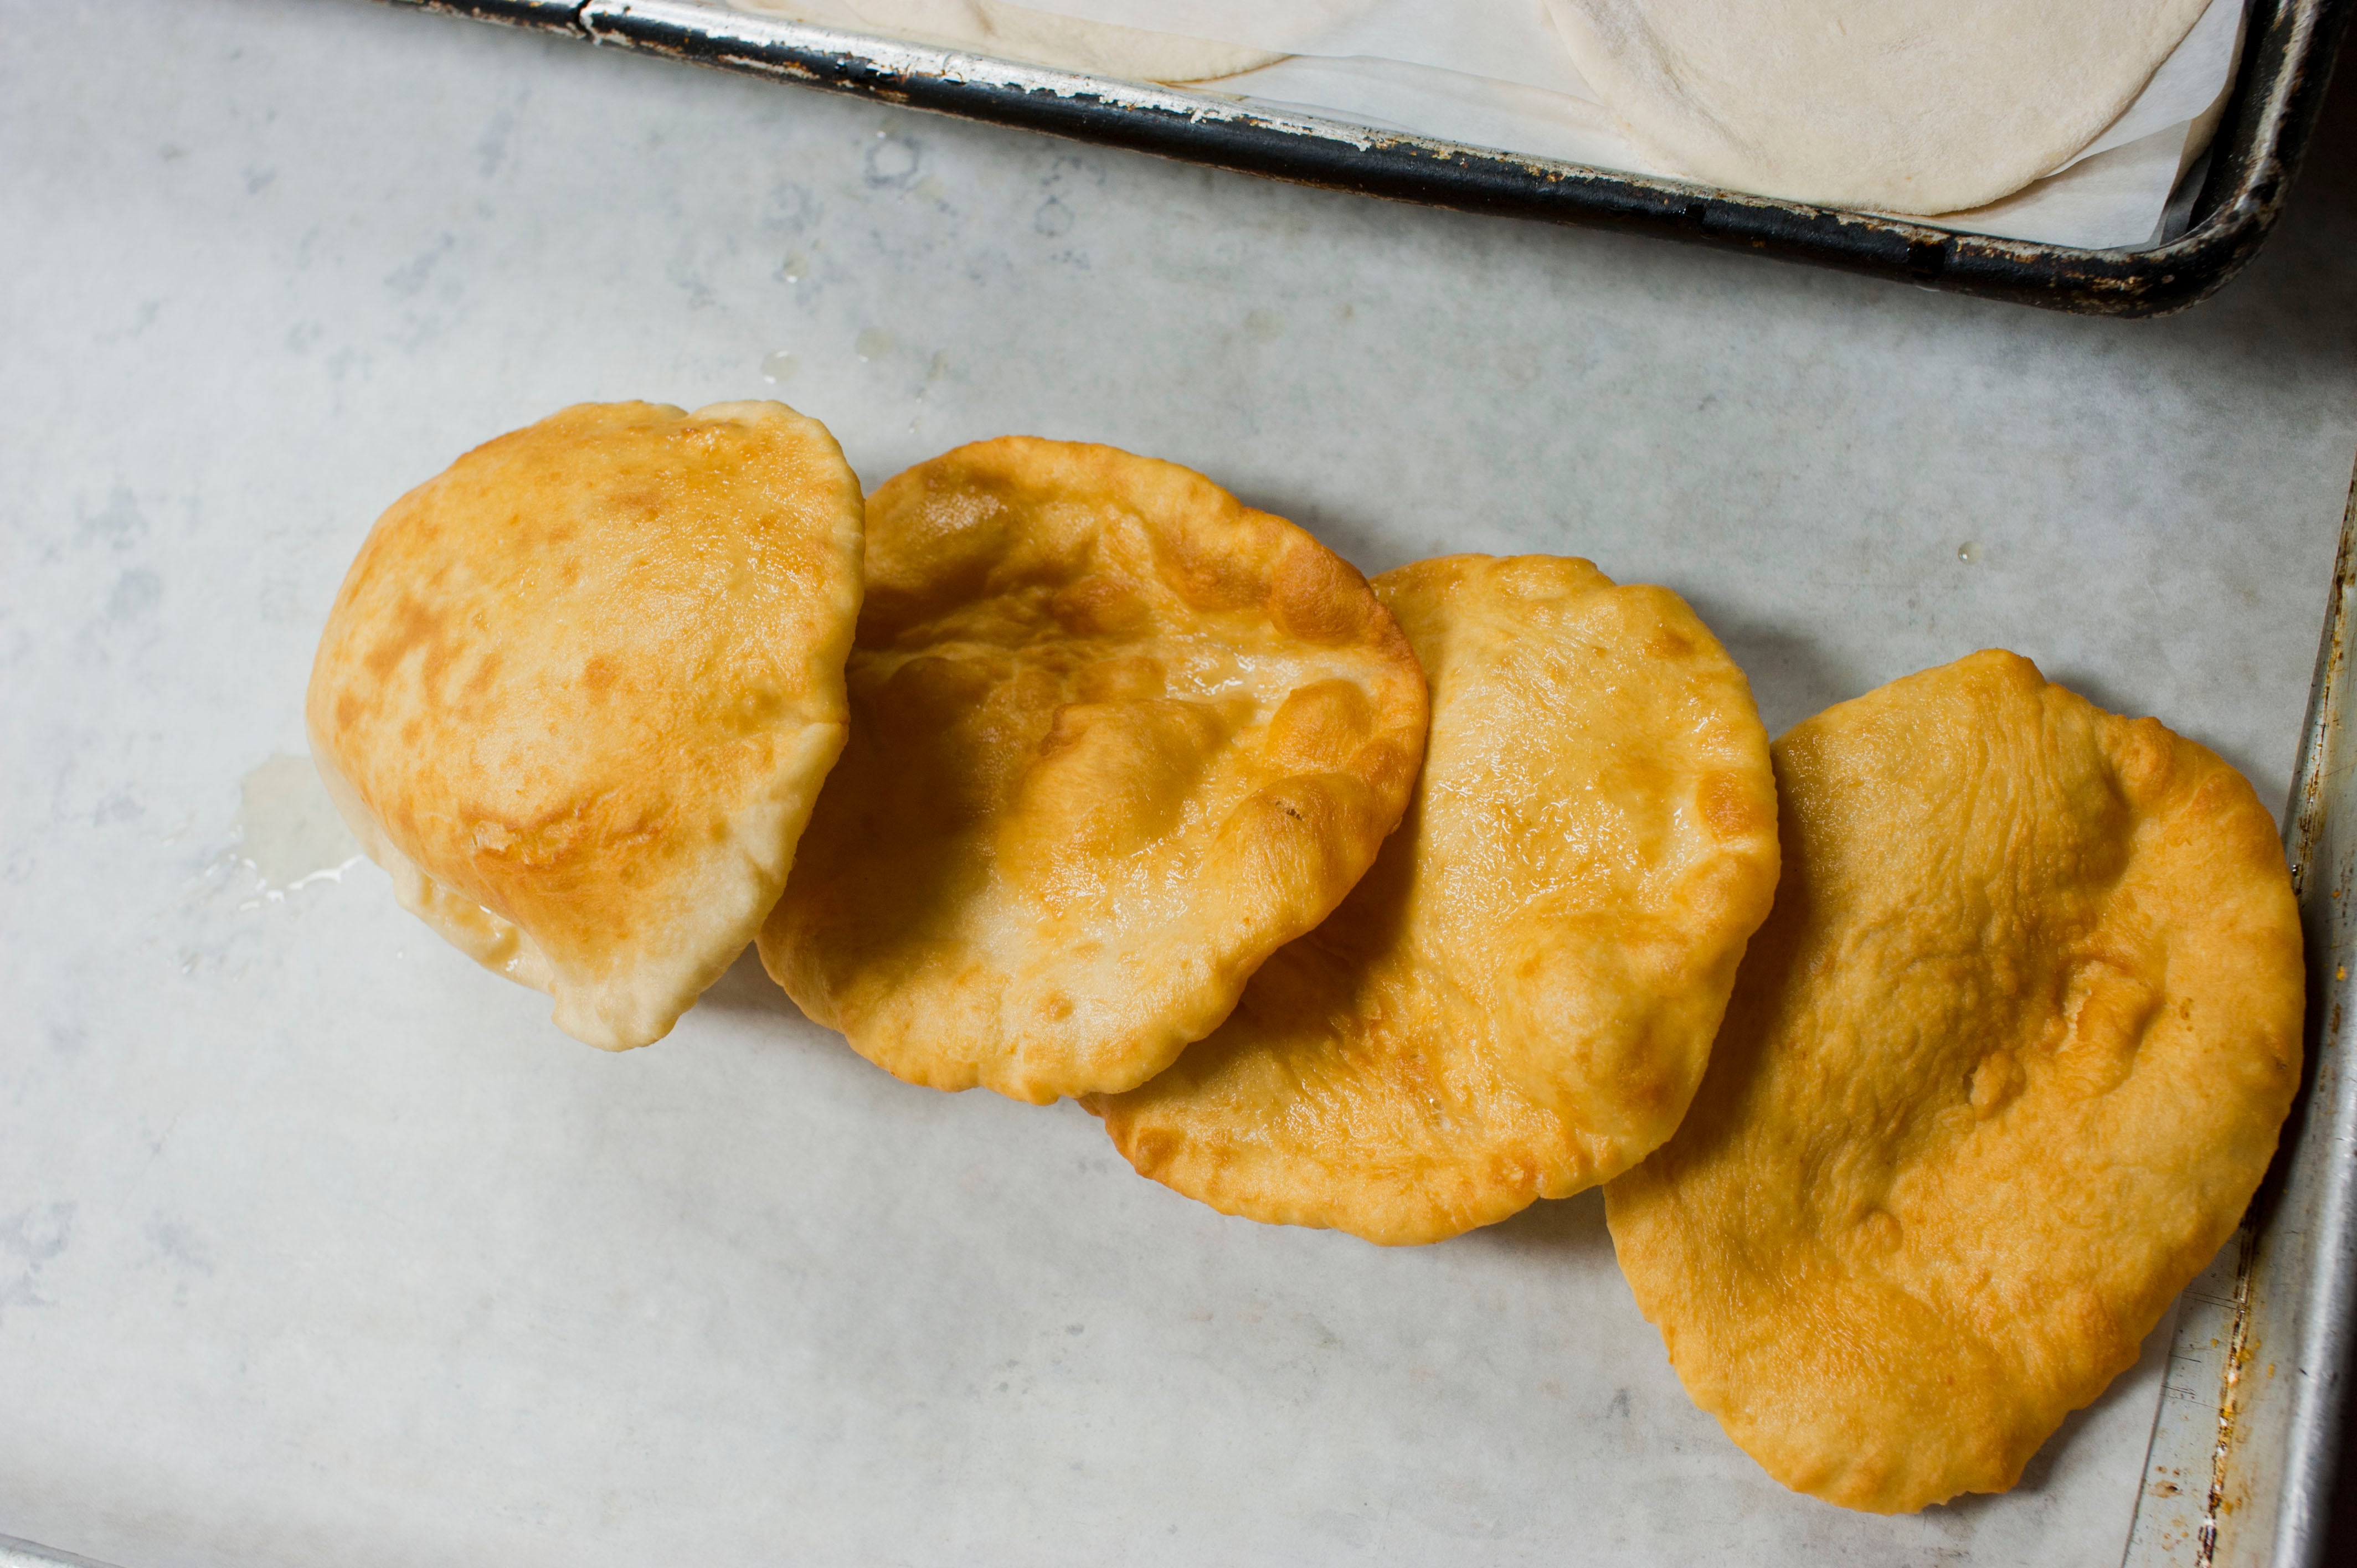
x=1999 y=1076
x=578 y=694
x=1889 y=106
x=1035 y=37
x=1116 y=738
x=1517 y=1001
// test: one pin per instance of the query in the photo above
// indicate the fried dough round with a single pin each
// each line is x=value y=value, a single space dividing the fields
x=1116 y=738
x=577 y=695
x=1516 y=1003
x=1999 y=1076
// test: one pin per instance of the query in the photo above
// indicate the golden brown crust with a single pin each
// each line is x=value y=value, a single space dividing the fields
x=578 y=691
x=1116 y=738
x=1999 y=1076
x=1517 y=1001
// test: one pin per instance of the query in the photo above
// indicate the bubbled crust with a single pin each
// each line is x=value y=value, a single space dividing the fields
x=578 y=694
x=1518 y=1000
x=1999 y=1075
x=1116 y=738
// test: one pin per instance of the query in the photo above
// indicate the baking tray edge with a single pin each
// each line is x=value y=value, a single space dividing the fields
x=15 y=1553
x=2279 y=91
x=2243 y=1457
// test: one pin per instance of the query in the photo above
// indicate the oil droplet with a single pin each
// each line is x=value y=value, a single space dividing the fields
x=793 y=266
x=874 y=343
x=1266 y=326
x=288 y=830
x=1968 y=552
x=779 y=366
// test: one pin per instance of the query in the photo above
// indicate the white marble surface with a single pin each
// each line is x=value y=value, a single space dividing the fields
x=319 y=1245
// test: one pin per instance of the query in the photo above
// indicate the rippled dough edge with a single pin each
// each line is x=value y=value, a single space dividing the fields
x=1116 y=738
x=2000 y=1077
x=1518 y=1000
x=578 y=692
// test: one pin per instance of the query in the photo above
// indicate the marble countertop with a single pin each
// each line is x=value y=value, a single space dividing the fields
x=319 y=1245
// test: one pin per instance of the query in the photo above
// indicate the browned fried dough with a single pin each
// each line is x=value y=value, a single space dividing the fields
x=1518 y=1000
x=1116 y=738
x=1999 y=1076
x=578 y=692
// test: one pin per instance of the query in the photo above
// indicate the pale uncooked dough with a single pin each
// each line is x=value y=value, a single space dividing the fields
x=1036 y=38
x=1894 y=105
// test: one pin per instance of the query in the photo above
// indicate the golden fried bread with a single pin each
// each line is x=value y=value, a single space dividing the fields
x=1999 y=1076
x=1116 y=738
x=578 y=693
x=1517 y=1001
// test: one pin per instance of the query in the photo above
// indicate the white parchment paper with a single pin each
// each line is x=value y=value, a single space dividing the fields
x=1495 y=73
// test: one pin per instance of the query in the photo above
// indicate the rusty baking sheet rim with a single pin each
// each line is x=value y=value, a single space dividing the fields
x=2241 y=1463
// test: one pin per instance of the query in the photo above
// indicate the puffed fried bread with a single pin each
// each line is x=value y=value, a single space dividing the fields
x=1116 y=738
x=2000 y=1075
x=1517 y=1001
x=578 y=692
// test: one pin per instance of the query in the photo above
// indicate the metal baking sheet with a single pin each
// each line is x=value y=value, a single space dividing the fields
x=2279 y=89
x=319 y=1245
x=2240 y=1466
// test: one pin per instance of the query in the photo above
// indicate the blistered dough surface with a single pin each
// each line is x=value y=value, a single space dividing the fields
x=1116 y=738
x=578 y=694
x=1518 y=1000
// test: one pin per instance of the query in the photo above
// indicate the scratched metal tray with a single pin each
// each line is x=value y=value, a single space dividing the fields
x=2285 y=67
x=2243 y=1457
